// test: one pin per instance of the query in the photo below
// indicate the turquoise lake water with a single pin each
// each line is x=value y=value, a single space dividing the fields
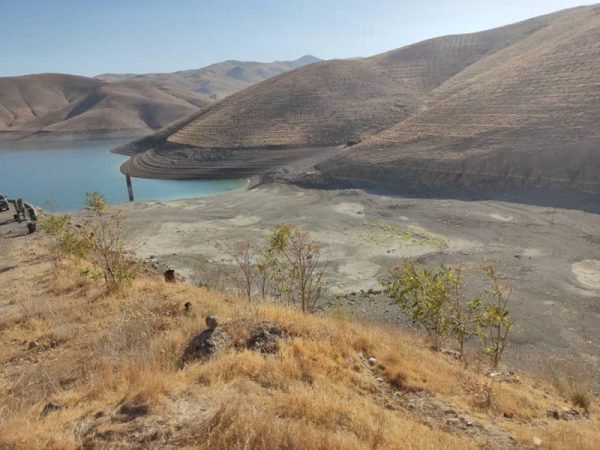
x=62 y=172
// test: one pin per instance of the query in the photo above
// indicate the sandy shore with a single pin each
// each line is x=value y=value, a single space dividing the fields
x=549 y=256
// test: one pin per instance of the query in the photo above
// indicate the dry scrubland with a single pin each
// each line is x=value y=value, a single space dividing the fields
x=111 y=363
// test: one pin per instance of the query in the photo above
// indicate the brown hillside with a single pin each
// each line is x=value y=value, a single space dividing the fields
x=53 y=103
x=217 y=80
x=526 y=116
x=331 y=102
x=457 y=110
x=86 y=368
x=127 y=104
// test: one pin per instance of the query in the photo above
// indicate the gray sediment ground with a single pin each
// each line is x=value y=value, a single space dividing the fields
x=549 y=256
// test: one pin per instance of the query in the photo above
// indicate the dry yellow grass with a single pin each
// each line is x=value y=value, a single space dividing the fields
x=113 y=362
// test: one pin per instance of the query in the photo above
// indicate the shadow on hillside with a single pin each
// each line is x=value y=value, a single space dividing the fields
x=533 y=197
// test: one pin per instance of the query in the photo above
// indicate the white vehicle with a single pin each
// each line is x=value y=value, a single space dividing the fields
x=3 y=203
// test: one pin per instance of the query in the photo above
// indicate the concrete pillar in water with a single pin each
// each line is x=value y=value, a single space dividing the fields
x=129 y=187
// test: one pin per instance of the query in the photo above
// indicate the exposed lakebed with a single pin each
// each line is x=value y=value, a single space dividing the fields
x=62 y=172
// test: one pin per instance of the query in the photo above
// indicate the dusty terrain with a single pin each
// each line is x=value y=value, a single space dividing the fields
x=549 y=256
x=513 y=107
x=82 y=367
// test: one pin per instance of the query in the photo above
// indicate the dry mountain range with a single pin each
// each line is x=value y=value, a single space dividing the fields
x=65 y=105
x=513 y=107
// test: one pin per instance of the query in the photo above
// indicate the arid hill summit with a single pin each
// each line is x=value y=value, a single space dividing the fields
x=514 y=106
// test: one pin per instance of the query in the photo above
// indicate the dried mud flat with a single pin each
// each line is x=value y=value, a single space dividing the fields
x=549 y=256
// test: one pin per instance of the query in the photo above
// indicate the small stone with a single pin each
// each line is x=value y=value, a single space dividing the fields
x=212 y=322
x=265 y=338
x=553 y=413
x=50 y=407
x=32 y=345
x=537 y=441
x=453 y=421
x=372 y=361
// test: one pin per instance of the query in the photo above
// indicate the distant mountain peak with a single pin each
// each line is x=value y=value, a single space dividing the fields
x=306 y=59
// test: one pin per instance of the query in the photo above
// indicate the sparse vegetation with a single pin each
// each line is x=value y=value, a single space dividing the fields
x=99 y=239
x=287 y=267
x=318 y=391
x=573 y=382
x=107 y=249
x=465 y=315
x=496 y=319
x=433 y=298
x=425 y=296
x=65 y=240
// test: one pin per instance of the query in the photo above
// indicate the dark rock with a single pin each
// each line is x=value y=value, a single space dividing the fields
x=32 y=345
x=265 y=338
x=569 y=414
x=206 y=344
x=50 y=407
x=553 y=413
x=170 y=276
x=136 y=407
x=187 y=308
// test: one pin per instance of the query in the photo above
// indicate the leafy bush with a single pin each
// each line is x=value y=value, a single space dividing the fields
x=424 y=295
x=65 y=239
x=434 y=300
x=99 y=239
x=496 y=319
x=287 y=266
x=107 y=248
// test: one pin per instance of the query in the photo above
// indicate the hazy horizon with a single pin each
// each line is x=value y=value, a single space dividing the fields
x=132 y=36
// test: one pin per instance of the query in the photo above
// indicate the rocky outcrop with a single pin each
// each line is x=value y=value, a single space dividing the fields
x=208 y=342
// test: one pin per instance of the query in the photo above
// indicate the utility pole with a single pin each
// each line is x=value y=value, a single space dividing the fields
x=129 y=187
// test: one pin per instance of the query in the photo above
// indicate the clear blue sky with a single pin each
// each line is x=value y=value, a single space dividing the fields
x=89 y=37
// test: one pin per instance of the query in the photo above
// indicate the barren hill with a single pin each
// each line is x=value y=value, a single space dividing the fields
x=516 y=102
x=62 y=104
x=217 y=80
x=526 y=116
x=58 y=103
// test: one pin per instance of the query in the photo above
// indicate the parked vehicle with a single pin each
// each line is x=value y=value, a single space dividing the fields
x=3 y=203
